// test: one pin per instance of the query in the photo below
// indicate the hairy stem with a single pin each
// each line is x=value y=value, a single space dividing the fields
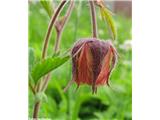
x=57 y=43
x=56 y=48
x=36 y=110
x=46 y=40
x=94 y=22
x=32 y=88
x=59 y=31
x=45 y=83
x=53 y=19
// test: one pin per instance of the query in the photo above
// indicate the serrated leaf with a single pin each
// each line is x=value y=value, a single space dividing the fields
x=46 y=66
x=106 y=15
x=48 y=6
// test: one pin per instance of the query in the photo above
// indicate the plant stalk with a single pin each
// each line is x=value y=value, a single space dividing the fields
x=94 y=22
x=58 y=38
x=36 y=110
x=46 y=40
x=49 y=30
x=61 y=27
x=32 y=88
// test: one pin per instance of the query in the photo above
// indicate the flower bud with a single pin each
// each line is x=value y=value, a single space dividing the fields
x=92 y=62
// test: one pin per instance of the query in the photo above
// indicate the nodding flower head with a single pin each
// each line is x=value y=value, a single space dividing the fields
x=92 y=62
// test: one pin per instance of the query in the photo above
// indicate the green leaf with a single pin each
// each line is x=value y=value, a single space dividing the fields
x=31 y=64
x=47 y=65
x=31 y=57
x=55 y=54
x=40 y=96
x=107 y=16
x=48 y=6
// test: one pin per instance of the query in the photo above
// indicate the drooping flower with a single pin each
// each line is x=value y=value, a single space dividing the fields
x=92 y=62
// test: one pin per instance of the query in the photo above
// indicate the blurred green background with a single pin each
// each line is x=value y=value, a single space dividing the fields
x=114 y=103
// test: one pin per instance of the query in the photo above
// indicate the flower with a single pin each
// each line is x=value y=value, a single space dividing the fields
x=92 y=62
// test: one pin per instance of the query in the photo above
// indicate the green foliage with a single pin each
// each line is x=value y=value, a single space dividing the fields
x=106 y=15
x=47 y=65
x=40 y=96
x=70 y=105
x=48 y=6
x=31 y=58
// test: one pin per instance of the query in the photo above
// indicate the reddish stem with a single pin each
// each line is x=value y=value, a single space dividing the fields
x=64 y=21
x=53 y=19
x=46 y=40
x=59 y=31
x=36 y=110
x=94 y=22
